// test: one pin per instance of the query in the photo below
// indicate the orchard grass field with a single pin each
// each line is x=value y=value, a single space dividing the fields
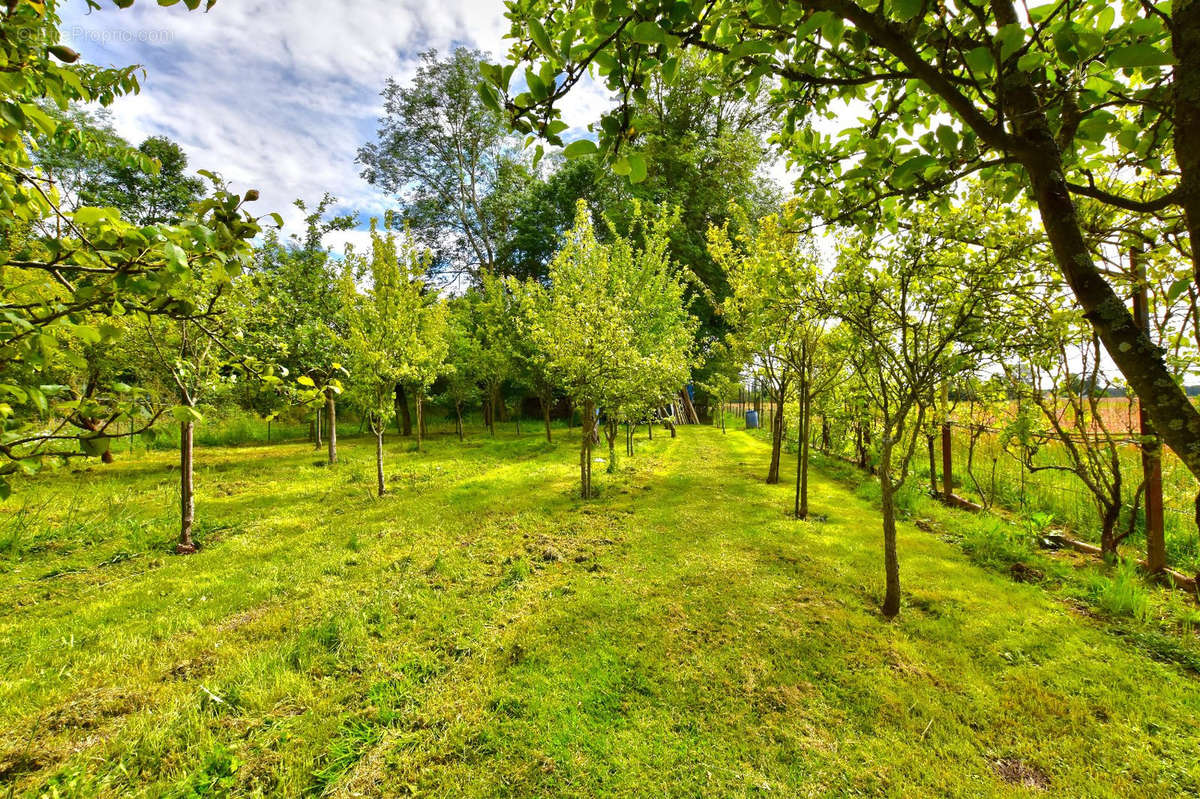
x=482 y=632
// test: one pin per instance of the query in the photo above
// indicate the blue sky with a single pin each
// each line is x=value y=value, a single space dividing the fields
x=279 y=94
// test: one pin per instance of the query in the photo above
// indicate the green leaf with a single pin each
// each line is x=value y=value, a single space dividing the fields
x=980 y=61
x=947 y=137
x=94 y=446
x=175 y=256
x=1010 y=38
x=537 y=32
x=186 y=413
x=648 y=33
x=579 y=147
x=637 y=168
x=904 y=10
x=1139 y=55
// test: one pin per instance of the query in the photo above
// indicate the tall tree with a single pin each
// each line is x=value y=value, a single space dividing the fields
x=394 y=329
x=442 y=152
x=295 y=313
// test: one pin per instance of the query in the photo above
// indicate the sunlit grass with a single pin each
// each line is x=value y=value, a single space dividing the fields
x=482 y=632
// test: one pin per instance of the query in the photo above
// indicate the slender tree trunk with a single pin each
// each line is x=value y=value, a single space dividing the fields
x=1156 y=544
x=801 y=508
x=610 y=434
x=420 y=402
x=458 y=415
x=891 y=563
x=585 y=451
x=546 y=417
x=650 y=429
x=331 y=414
x=403 y=419
x=320 y=430
x=776 y=441
x=268 y=431
x=187 y=498
x=933 y=475
x=379 y=482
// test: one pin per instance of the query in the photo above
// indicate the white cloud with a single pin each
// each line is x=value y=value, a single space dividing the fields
x=279 y=95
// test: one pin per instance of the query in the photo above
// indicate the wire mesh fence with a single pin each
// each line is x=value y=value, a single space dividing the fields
x=991 y=468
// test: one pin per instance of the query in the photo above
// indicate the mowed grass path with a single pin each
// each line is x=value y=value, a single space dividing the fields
x=482 y=632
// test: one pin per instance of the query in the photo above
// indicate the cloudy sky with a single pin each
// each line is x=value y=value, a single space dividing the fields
x=279 y=94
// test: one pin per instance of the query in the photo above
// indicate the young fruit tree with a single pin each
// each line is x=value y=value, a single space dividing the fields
x=919 y=306
x=191 y=356
x=394 y=330
x=1070 y=418
x=614 y=325
x=772 y=273
x=493 y=317
x=530 y=363
x=462 y=360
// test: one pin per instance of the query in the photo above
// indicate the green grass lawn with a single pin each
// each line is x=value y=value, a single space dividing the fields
x=482 y=632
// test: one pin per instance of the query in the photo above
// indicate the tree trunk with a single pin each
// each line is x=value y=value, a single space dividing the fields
x=403 y=419
x=1185 y=43
x=933 y=483
x=420 y=402
x=1156 y=545
x=801 y=508
x=891 y=563
x=458 y=415
x=1109 y=516
x=320 y=431
x=776 y=441
x=546 y=417
x=610 y=433
x=381 y=487
x=187 y=498
x=585 y=451
x=268 y=431
x=331 y=415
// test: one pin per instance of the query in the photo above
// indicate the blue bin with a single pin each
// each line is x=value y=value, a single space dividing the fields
x=751 y=420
